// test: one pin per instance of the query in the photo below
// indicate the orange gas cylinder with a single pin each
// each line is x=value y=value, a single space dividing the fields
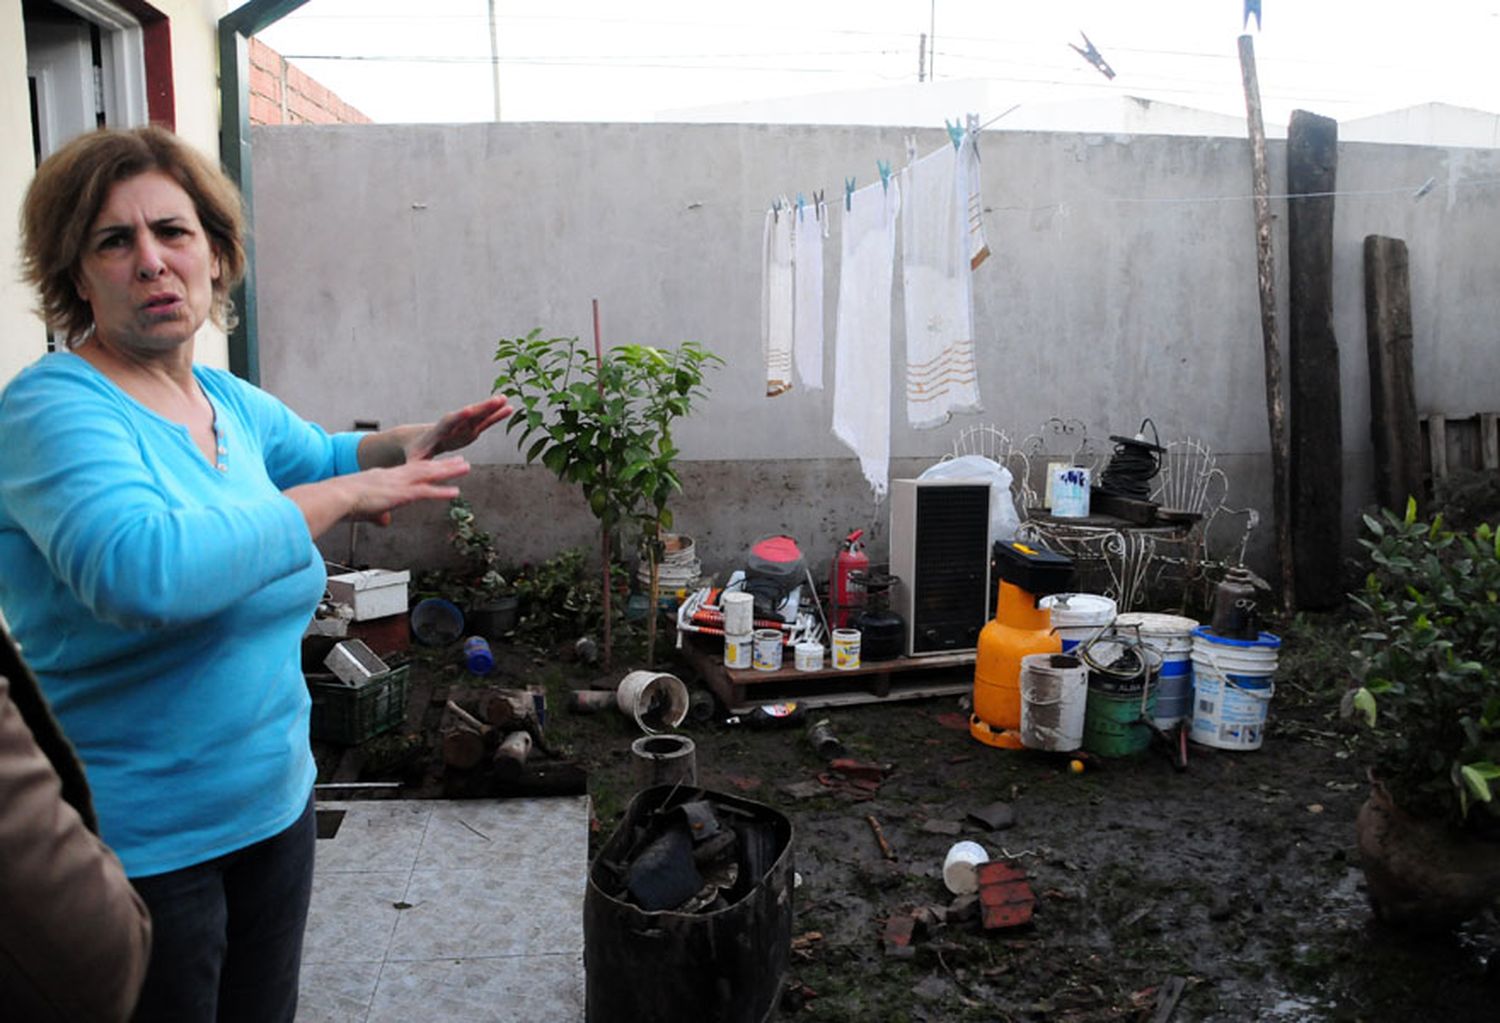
x=1019 y=628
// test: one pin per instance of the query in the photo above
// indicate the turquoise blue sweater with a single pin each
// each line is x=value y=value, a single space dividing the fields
x=161 y=600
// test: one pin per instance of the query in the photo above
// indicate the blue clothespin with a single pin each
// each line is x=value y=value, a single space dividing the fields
x=1252 y=7
x=884 y=167
x=955 y=131
x=800 y=204
x=848 y=195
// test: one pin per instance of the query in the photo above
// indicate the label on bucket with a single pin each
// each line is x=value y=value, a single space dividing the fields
x=1070 y=492
x=737 y=651
x=846 y=649
x=766 y=654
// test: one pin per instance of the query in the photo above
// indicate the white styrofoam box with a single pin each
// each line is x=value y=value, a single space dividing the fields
x=354 y=662
x=373 y=593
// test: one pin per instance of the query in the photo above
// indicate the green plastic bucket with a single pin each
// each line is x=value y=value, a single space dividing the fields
x=1116 y=719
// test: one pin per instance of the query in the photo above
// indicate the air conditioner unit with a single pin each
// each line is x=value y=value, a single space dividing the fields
x=940 y=557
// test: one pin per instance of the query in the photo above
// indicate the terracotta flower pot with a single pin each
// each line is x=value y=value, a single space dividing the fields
x=1420 y=873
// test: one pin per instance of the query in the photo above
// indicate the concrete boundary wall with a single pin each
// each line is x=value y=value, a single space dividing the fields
x=1122 y=286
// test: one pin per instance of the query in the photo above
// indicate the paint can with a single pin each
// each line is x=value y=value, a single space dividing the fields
x=1172 y=637
x=1078 y=617
x=737 y=650
x=766 y=651
x=1070 y=492
x=846 y=649
x=809 y=656
x=1054 y=696
x=739 y=608
x=1233 y=685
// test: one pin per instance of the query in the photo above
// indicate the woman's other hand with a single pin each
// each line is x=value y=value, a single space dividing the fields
x=372 y=494
x=422 y=441
x=459 y=428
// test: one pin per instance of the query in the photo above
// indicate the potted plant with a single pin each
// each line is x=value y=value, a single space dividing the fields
x=490 y=602
x=603 y=420
x=1428 y=668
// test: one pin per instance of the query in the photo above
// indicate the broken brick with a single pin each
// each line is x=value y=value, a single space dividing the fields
x=1005 y=897
x=900 y=929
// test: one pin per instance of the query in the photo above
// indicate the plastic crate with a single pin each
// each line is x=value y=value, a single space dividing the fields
x=349 y=714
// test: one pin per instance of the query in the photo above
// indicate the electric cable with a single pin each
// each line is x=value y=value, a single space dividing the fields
x=1134 y=464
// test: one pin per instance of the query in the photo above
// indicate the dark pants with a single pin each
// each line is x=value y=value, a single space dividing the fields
x=226 y=935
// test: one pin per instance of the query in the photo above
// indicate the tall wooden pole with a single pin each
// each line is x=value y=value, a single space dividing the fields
x=1265 y=272
x=603 y=529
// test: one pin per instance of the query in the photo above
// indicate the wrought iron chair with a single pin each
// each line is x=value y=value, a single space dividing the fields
x=1192 y=485
x=991 y=442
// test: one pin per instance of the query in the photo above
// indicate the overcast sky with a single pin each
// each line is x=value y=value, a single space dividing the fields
x=604 y=60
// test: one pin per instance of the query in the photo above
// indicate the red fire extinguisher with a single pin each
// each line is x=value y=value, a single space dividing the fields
x=845 y=598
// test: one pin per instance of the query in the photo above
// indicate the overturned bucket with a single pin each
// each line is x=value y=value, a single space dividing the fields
x=656 y=699
x=1054 y=698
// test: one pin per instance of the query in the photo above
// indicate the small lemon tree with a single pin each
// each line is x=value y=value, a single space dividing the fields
x=603 y=420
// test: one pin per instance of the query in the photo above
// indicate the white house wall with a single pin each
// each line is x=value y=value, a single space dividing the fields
x=1122 y=286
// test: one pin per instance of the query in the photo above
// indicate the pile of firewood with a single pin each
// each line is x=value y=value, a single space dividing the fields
x=494 y=728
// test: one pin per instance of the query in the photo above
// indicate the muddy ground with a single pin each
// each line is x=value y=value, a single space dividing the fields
x=1238 y=875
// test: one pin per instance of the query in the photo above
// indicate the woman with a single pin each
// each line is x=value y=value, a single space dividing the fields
x=157 y=563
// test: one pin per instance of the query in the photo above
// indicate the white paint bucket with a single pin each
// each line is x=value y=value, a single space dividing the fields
x=1233 y=682
x=1054 y=697
x=1070 y=492
x=737 y=650
x=809 y=656
x=766 y=655
x=656 y=699
x=961 y=867
x=846 y=649
x=1172 y=637
x=1078 y=617
x=739 y=613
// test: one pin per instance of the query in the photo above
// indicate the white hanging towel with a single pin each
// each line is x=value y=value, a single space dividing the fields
x=937 y=241
x=776 y=300
x=808 y=230
x=862 y=334
x=970 y=186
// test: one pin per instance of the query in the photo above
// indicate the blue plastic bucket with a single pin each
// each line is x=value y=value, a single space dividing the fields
x=436 y=622
x=1233 y=682
x=1172 y=637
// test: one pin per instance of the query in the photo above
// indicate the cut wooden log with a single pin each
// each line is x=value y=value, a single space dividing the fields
x=505 y=708
x=511 y=754
x=463 y=748
x=464 y=717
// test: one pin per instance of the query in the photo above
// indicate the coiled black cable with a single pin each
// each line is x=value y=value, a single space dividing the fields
x=1133 y=466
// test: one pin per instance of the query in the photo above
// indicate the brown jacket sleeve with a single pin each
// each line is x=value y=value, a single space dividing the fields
x=74 y=936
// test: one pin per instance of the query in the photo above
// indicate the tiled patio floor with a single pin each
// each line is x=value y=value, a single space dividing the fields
x=434 y=910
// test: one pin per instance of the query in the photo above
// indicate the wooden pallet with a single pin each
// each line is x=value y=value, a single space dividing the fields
x=902 y=678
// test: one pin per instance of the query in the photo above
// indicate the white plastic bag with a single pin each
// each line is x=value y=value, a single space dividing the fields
x=1003 y=518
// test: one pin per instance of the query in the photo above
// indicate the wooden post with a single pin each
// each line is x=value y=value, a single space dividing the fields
x=603 y=529
x=1437 y=445
x=1265 y=272
x=1316 y=471
x=1395 y=430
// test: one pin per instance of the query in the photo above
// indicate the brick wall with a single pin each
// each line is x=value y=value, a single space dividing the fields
x=282 y=94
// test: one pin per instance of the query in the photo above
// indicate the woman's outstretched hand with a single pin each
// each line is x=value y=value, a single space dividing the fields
x=371 y=495
x=459 y=429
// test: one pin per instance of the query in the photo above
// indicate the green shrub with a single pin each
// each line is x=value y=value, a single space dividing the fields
x=1429 y=665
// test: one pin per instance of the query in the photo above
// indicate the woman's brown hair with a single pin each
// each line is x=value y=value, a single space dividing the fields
x=70 y=188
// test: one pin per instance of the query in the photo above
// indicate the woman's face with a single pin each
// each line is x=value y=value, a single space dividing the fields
x=148 y=267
